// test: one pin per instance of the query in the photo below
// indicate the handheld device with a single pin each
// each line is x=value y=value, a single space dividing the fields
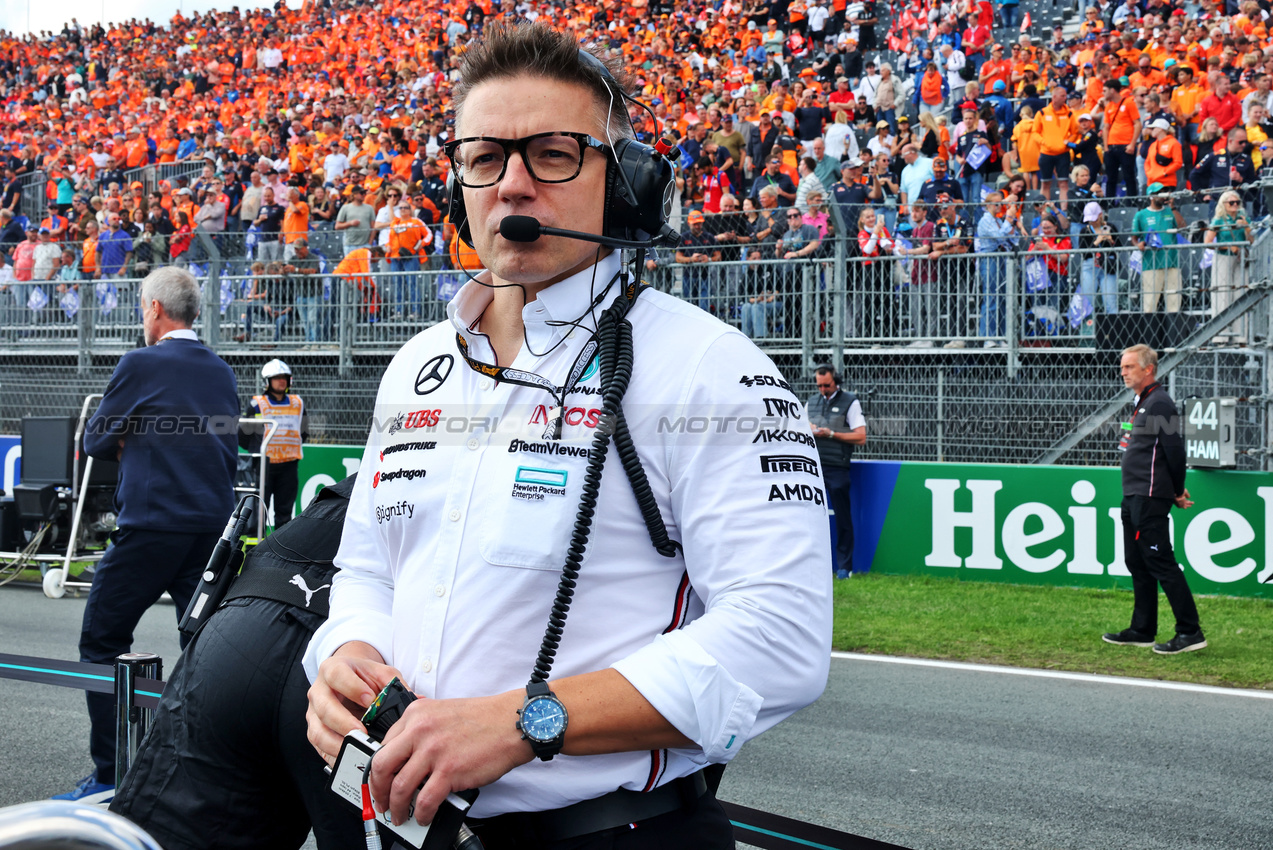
x=346 y=783
x=353 y=763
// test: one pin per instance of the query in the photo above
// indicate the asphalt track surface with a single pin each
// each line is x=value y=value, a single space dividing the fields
x=944 y=757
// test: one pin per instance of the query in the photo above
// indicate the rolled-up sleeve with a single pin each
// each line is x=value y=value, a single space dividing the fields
x=751 y=507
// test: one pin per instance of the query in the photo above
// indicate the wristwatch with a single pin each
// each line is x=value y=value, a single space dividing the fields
x=542 y=721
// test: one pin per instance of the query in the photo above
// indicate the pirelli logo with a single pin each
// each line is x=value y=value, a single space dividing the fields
x=788 y=463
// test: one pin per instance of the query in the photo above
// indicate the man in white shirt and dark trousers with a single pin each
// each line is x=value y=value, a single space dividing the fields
x=838 y=426
x=701 y=604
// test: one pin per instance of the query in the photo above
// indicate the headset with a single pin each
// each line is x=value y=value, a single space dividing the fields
x=639 y=186
x=835 y=376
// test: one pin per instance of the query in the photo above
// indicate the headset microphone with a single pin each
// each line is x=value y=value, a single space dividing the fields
x=523 y=228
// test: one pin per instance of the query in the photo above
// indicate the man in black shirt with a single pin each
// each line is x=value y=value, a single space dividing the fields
x=940 y=184
x=773 y=176
x=697 y=250
x=730 y=230
x=850 y=193
x=306 y=286
x=269 y=221
x=810 y=116
x=11 y=200
x=1153 y=480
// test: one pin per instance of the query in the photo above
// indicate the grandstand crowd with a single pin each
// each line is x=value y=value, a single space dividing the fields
x=298 y=142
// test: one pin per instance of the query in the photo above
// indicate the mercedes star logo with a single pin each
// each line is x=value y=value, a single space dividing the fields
x=433 y=374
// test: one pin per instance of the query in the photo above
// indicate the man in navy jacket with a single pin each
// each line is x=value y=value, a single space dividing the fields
x=170 y=416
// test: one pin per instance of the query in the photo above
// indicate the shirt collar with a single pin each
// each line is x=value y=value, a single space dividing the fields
x=564 y=301
x=180 y=333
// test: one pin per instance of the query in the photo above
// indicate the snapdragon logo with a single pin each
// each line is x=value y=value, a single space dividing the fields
x=404 y=474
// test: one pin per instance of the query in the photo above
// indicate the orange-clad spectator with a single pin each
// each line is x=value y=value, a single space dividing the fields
x=408 y=241
x=408 y=236
x=459 y=253
x=1186 y=97
x=1120 y=132
x=136 y=152
x=295 y=220
x=1165 y=157
x=1146 y=75
x=88 y=263
x=355 y=268
x=183 y=204
x=400 y=165
x=995 y=69
x=167 y=147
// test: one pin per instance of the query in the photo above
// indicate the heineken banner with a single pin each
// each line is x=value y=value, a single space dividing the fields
x=1048 y=525
x=1053 y=525
x=323 y=465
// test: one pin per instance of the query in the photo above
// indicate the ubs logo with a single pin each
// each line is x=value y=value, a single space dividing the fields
x=433 y=374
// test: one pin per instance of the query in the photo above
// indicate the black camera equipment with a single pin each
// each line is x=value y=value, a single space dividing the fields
x=223 y=566
x=52 y=468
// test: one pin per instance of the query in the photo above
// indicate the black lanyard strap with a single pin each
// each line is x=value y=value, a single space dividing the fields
x=628 y=295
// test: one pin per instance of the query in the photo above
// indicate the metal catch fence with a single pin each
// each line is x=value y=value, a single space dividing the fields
x=971 y=360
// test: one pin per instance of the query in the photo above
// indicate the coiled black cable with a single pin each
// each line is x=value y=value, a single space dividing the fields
x=615 y=357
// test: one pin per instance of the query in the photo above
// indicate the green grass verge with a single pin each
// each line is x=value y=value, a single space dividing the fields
x=1049 y=628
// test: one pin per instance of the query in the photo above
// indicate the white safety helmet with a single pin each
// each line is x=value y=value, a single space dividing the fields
x=274 y=369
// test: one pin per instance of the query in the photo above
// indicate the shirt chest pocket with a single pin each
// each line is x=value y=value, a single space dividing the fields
x=529 y=501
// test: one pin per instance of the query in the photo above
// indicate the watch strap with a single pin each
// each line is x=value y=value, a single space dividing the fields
x=544 y=750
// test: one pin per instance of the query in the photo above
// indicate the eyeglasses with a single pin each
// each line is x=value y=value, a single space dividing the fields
x=1232 y=203
x=793 y=215
x=553 y=157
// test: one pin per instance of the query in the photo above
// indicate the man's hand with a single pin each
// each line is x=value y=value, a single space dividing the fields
x=1183 y=501
x=446 y=745
x=347 y=682
x=819 y=431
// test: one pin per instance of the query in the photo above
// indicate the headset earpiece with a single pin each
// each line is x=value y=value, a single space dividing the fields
x=639 y=180
x=639 y=195
x=455 y=209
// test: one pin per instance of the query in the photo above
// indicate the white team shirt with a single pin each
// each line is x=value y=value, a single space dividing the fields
x=459 y=524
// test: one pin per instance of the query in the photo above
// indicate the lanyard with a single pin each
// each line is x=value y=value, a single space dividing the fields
x=535 y=381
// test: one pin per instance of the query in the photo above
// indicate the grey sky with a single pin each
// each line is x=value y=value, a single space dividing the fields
x=43 y=15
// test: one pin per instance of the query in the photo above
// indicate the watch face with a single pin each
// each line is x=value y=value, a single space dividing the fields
x=543 y=719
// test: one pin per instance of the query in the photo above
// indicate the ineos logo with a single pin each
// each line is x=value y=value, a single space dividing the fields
x=433 y=374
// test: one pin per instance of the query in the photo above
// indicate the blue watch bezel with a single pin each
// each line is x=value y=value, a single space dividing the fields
x=544 y=748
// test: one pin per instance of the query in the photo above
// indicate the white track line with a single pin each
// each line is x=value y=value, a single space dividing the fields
x=1056 y=674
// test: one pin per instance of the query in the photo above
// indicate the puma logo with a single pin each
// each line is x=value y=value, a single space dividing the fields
x=299 y=581
x=1154 y=547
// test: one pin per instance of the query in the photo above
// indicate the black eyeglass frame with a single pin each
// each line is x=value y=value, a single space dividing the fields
x=509 y=145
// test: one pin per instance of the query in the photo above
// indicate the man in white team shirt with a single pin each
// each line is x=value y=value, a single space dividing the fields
x=454 y=546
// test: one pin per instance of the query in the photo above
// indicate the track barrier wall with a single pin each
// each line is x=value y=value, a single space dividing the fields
x=1009 y=523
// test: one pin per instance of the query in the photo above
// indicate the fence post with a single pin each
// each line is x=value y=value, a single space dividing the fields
x=131 y=720
x=941 y=414
x=84 y=328
x=346 y=329
x=1012 y=324
x=211 y=311
x=807 y=317
x=839 y=295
